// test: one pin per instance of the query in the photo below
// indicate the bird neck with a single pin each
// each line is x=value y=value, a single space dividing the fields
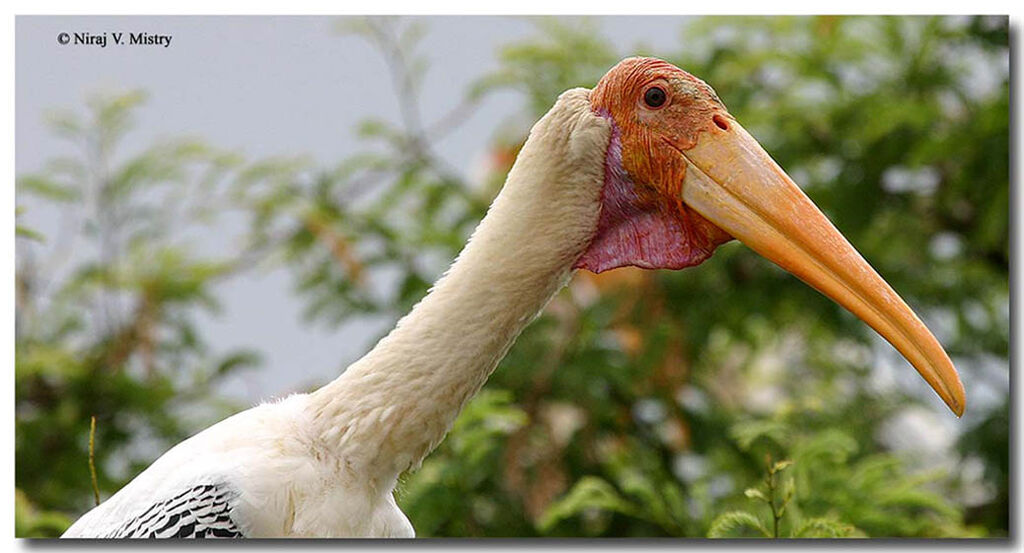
x=393 y=406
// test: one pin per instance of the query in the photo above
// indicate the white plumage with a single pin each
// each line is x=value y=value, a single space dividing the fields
x=325 y=464
x=650 y=170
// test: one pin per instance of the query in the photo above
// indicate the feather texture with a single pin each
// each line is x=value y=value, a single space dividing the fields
x=325 y=464
x=198 y=512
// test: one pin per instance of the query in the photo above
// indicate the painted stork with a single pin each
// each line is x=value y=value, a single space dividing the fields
x=647 y=169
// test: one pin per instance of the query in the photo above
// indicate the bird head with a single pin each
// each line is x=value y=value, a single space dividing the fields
x=682 y=177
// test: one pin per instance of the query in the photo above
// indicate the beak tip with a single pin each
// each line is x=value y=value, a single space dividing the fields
x=956 y=399
x=958 y=410
x=959 y=405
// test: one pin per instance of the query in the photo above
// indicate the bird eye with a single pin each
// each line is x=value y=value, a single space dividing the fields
x=654 y=97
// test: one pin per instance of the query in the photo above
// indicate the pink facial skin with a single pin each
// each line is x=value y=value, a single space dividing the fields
x=637 y=231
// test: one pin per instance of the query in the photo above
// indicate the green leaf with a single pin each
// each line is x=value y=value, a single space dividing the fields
x=822 y=528
x=25 y=232
x=589 y=492
x=754 y=493
x=781 y=466
x=46 y=188
x=731 y=524
x=747 y=432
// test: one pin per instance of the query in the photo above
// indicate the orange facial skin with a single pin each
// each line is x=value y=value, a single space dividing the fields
x=691 y=107
x=682 y=176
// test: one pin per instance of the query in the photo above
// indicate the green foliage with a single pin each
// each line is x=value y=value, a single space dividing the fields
x=876 y=493
x=734 y=523
x=30 y=521
x=538 y=67
x=105 y=312
x=589 y=495
x=639 y=403
x=822 y=528
x=654 y=501
x=866 y=495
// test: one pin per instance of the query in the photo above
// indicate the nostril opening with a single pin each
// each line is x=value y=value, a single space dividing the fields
x=720 y=122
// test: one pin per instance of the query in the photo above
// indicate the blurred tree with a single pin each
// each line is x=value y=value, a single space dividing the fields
x=645 y=403
x=105 y=311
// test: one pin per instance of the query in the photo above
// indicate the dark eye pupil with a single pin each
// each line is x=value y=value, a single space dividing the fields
x=654 y=97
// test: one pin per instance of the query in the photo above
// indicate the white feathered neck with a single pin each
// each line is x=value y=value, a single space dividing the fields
x=394 y=405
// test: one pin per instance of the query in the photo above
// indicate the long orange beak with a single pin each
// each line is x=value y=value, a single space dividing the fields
x=732 y=182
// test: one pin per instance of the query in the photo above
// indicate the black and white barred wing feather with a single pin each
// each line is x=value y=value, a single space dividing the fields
x=202 y=511
x=238 y=478
x=259 y=474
